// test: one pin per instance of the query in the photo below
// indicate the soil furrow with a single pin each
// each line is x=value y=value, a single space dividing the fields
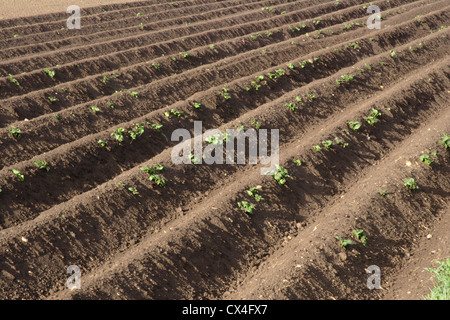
x=77 y=211
x=129 y=24
x=66 y=74
x=166 y=249
x=106 y=119
x=125 y=157
x=358 y=134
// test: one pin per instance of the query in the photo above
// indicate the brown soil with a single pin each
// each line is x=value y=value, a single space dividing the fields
x=189 y=239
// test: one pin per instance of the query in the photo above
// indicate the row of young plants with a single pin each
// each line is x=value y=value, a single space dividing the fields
x=260 y=79
x=255 y=85
x=16 y=132
x=281 y=175
x=52 y=73
x=371 y=119
x=314 y=23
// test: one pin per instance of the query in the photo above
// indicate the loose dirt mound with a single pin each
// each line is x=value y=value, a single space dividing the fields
x=307 y=68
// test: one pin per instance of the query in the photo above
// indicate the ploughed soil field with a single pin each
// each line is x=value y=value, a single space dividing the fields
x=362 y=115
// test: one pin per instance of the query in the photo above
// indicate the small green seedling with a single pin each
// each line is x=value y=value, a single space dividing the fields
x=20 y=176
x=226 y=137
x=42 y=165
x=253 y=192
x=281 y=175
x=102 y=143
x=118 y=134
x=317 y=148
x=105 y=79
x=346 y=77
x=355 y=125
x=137 y=131
x=355 y=45
x=255 y=85
x=393 y=54
x=425 y=158
x=327 y=144
x=15 y=132
x=214 y=139
x=316 y=22
x=194 y=159
x=344 y=242
x=155 y=126
x=197 y=105
x=50 y=73
x=372 y=119
x=303 y=63
x=225 y=93
x=410 y=183
x=270 y=9
x=51 y=99
x=185 y=55
x=95 y=109
x=291 y=106
x=445 y=141
x=13 y=80
x=175 y=112
x=339 y=141
x=256 y=124
x=298 y=162
x=361 y=235
x=158 y=180
x=130 y=189
x=154 y=177
x=246 y=206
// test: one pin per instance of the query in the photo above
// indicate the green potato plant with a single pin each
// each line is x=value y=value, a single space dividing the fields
x=15 y=132
x=246 y=206
x=42 y=165
x=410 y=183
